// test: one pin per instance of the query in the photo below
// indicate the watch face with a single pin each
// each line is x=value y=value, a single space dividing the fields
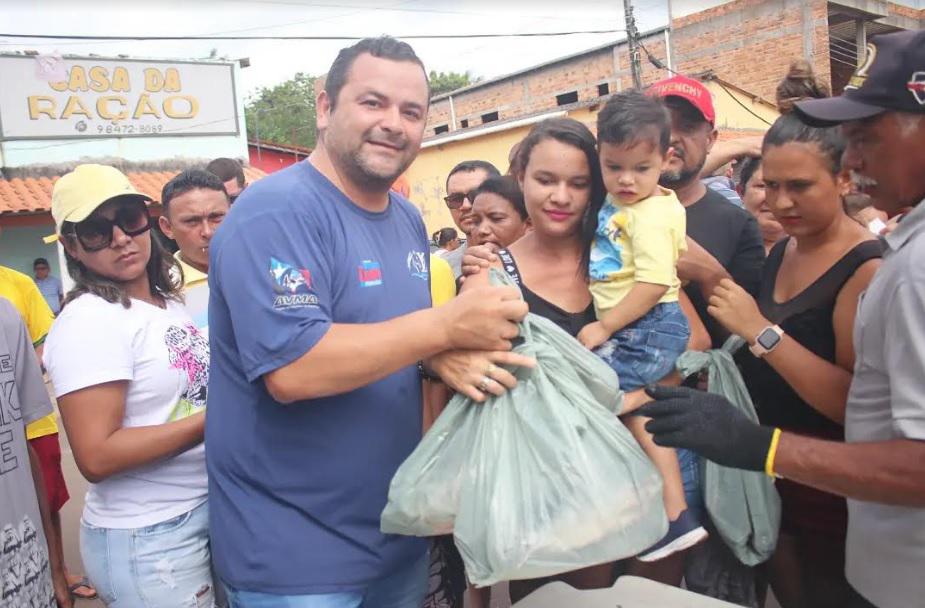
x=768 y=339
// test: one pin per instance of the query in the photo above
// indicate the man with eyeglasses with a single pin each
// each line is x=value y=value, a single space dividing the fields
x=463 y=179
x=231 y=173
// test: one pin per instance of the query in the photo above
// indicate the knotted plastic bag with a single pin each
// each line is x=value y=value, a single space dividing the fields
x=744 y=505
x=542 y=480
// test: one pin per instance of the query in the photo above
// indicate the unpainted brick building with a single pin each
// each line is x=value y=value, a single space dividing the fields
x=747 y=43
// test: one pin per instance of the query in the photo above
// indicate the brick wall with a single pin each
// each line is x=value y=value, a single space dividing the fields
x=529 y=92
x=747 y=42
x=751 y=42
x=536 y=91
x=917 y=14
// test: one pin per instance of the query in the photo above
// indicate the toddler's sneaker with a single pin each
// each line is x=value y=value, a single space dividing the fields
x=683 y=533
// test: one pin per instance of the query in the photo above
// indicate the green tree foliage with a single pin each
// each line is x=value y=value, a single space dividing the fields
x=444 y=82
x=283 y=114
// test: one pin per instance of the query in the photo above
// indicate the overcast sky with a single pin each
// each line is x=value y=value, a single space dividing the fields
x=275 y=61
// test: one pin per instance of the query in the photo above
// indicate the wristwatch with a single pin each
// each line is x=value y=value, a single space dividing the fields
x=767 y=340
x=426 y=375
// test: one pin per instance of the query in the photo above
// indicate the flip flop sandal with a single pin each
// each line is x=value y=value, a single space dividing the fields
x=84 y=582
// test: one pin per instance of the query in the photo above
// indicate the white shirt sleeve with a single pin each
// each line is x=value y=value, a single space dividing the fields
x=89 y=344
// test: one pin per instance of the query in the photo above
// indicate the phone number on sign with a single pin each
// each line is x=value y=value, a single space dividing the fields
x=129 y=129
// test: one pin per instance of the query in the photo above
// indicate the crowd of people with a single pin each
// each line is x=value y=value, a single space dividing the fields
x=241 y=406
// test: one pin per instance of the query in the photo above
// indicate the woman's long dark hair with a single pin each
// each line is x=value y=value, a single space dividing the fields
x=163 y=280
x=572 y=133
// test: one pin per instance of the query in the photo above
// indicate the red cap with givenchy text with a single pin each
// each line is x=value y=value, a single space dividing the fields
x=689 y=90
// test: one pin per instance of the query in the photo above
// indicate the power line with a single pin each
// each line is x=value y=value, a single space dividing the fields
x=744 y=107
x=314 y=19
x=280 y=37
x=659 y=64
x=397 y=8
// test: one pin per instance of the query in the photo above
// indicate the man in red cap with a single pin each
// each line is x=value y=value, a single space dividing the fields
x=723 y=241
x=880 y=467
x=729 y=240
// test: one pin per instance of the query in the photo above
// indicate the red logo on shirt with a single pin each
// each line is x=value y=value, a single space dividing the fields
x=369 y=273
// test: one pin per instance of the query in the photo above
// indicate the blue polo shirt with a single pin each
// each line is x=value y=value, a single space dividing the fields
x=296 y=491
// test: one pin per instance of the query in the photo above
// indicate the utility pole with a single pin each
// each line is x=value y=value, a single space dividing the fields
x=632 y=42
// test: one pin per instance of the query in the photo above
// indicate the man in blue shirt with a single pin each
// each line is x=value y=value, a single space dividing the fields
x=319 y=313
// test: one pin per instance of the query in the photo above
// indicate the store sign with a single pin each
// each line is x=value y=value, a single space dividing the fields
x=57 y=98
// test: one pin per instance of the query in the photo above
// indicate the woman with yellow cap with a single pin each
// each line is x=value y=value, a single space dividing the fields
x=130 y=372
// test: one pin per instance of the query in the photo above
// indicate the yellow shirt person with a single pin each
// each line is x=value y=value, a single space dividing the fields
x=637 y=243
x=195 y=294
x=442 y=283
x=24 y=294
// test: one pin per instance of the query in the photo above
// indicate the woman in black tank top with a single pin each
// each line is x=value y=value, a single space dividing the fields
x=572 y=322
x=563 y=192
x=810 y=288
x=561 y=189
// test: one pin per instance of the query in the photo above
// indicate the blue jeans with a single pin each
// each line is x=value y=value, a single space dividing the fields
x=166 y=565
x=692 y=476
x=402 y=589
x=645 y=351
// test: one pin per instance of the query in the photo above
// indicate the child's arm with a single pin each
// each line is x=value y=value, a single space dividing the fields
x=641 y=298
x=700 y=338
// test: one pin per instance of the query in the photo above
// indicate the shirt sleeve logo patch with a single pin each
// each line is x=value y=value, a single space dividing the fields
x=417 y=265
x=293 y=286
x=369 y=273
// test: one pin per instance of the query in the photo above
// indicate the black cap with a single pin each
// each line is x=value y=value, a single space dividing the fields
x=892 y=78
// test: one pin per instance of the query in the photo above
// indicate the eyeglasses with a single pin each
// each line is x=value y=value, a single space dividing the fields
x=455 y=200
x=95 y=232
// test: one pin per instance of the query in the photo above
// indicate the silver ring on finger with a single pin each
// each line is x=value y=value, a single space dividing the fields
x=483 y=383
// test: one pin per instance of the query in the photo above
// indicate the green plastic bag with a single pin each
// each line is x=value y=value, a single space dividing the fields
x=542 y=480
x=744 y=505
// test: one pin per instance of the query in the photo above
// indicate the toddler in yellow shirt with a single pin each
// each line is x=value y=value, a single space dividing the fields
x=640 y=329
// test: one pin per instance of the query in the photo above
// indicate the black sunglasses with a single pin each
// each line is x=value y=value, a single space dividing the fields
x=455 y=200
x=95 y=232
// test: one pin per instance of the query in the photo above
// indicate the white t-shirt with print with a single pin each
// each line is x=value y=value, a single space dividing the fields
x=166 y=362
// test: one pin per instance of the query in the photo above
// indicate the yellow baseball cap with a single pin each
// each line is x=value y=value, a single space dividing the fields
x=80 y=192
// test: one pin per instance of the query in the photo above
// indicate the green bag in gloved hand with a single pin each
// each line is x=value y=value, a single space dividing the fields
x=744 y=505
x=541 y=480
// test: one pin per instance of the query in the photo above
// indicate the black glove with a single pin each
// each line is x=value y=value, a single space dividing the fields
x=707 y=424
